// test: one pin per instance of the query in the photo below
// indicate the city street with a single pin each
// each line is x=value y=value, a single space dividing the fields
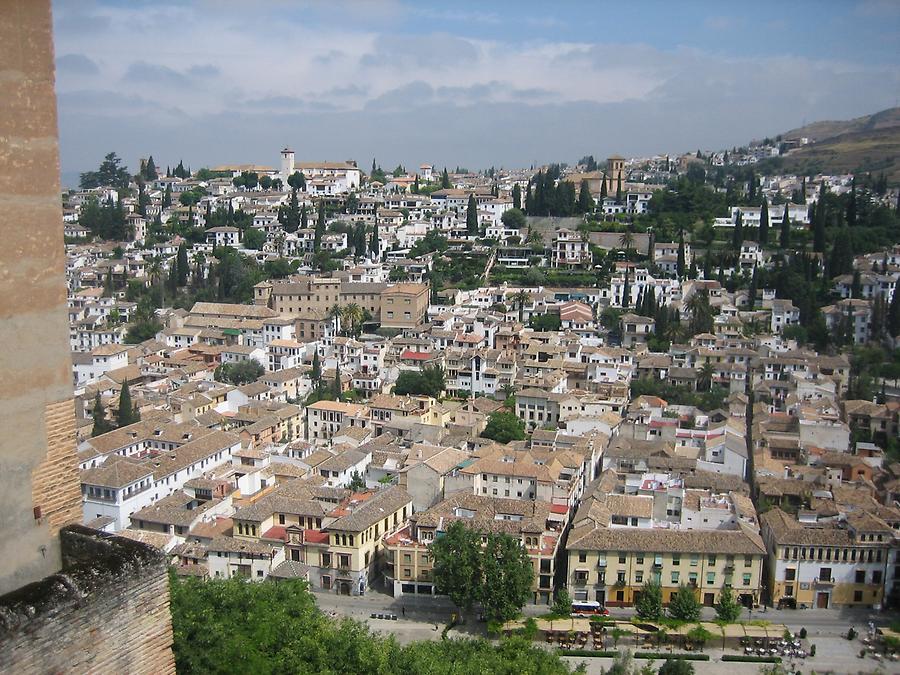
x=428 y=611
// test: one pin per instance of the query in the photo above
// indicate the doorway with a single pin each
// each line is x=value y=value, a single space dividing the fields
x=822 y=600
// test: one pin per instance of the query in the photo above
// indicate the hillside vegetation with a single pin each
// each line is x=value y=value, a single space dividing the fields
x=865 y=144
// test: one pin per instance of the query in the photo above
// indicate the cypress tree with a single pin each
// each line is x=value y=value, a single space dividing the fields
x=786 y=228
x=626 y=291
x=150 y=169
x=764 y=223
x=851 y=205
x=445 y=179
x=603 y=189
x=125 y=415
x=819 y=217
x=585 y=201
x=320 y=226
x=472 y=216
x=416 y=185
x=751 y=295
x=619 y=189
x=738 y=234
x=181 y=264
x=101 y=424
x=316 y=374
x=680 y=264
x=751 y=188
x=167 y=196
x=337 y=381
x=517 y=196
x=374 y=242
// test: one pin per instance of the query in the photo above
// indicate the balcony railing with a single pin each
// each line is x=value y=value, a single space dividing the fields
x=824 y=581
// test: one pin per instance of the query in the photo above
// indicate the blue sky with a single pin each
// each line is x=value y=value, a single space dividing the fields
x=476 y=84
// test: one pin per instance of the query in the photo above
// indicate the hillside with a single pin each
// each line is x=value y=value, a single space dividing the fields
x=869 y=143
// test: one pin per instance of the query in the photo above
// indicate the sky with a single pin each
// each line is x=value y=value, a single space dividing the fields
x=473 y=84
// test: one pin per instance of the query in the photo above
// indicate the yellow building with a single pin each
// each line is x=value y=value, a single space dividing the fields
x=829 y=561
x=663 y=533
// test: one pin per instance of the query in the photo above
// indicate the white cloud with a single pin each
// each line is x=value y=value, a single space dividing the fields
x=271 y=75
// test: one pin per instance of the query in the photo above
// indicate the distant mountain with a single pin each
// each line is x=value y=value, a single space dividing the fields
x=861 y=145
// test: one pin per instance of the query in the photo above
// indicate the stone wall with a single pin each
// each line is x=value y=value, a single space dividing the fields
x=106 y=612
x=39 y=491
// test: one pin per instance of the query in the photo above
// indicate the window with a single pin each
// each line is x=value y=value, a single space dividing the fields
x=711 y=560
x=582 y=556
x=746 y=580
x=675 y=576
x=638 y=561
x=621 y=578
x=876 y=577
x=622 y=559
x=857 y=596
x=710 y=577
x=638 y=577
x=860 y=576
x=676 y=559
x=695 y=559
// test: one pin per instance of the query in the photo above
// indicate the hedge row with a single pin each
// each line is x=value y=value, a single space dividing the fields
x=611 y=654
x=665 y=655
x=746 y=658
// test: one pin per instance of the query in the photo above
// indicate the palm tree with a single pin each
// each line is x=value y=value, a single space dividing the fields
x=353 y=315
x=334 y=313
x=279 y=244
x=626 y=241
x=521 y=298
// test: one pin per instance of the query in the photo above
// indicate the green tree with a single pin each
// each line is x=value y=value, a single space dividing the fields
x=98 y=413
x=676 y=667
x=504 y=427
x=684 y=605
x=242 y=372
x=562 y=606
x=181 y=265
x=764 y=223
x=514 y=219
x=320 y=226
x=458 y=565
x=110 y=174
x=357 y=482
x=507 y=576
x=337 y=388
x=728 y=609
x=126 y=413
x=297 y=181
x=472 y=216
x=737 y=236
x=254 y=239
x=649 y=604
x=585 y=201
x=521 y=298
x=316 y=372
x=517 y=196
x=430 y=381
x=785 y=239
x=445 y=179
x=149 y=169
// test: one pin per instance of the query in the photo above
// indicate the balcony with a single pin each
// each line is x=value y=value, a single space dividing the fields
x=824 y=581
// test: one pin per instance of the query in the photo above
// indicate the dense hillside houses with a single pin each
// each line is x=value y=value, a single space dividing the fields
x=665 y=371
